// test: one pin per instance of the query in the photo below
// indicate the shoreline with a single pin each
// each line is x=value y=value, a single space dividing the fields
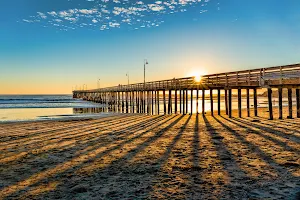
x=75 y=117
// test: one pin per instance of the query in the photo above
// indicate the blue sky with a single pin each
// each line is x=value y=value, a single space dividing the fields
x=50 y=46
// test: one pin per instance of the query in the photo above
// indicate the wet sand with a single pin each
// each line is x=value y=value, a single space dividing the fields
x=152 y=157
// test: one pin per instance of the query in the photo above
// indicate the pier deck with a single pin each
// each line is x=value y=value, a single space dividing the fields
x=144 y=97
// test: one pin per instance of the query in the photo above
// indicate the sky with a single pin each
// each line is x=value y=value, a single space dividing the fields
x=54 y=46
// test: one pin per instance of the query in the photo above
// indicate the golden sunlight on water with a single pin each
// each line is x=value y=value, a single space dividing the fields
x=32 y=113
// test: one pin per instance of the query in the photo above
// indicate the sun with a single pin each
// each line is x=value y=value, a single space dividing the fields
x=197 y=78
x=197 y=74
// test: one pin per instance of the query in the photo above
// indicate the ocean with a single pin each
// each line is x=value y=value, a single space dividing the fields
x=41 y=107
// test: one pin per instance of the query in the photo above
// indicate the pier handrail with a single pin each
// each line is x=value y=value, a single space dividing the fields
x=259 y=77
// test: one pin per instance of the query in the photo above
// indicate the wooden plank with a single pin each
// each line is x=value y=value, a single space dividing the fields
x=270 y=103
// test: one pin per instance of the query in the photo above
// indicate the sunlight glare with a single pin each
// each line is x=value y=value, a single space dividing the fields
x=197 y=78
x=197 y=74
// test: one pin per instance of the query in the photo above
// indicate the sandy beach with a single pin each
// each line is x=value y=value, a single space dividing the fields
x=152 y=157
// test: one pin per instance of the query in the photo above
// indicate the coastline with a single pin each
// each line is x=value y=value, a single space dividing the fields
x=135 y=156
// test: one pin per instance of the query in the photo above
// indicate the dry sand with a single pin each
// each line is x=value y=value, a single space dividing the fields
x=151 y=157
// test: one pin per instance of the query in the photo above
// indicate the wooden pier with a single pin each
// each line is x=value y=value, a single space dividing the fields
x=145 y=97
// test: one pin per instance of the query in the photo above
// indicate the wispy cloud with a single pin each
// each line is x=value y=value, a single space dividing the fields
x=106 y=14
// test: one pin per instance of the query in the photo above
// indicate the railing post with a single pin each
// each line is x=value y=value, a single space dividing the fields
x=226 y=80
x=280 y=82
x=249 y=78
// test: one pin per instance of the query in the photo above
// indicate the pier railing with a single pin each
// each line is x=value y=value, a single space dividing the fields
x=141 y=97
x=262 y=77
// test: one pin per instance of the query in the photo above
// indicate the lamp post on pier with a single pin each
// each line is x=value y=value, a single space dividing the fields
x=144 y=96
x=127 y=77
x=145 y=63
x=98 y=83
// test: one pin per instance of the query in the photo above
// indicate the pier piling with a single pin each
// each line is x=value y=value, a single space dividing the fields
x=145 y=97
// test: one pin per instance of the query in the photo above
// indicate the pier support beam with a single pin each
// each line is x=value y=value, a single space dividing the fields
x=197 y=100
x=191 y=101
x=211 y=102
x=203 y=101
x=180 y=102
x=183 y=102
x=186 y=101
x=240 y=102
x=270 y=103
x=137 y=102
x=152 y=102
x=248 y=102
x=230 y=103
x=133 y=102
x=155 y=101
x=170 y=102
x=219 y=102
x=298 y=102
x=255 y=101
x=122 y=101
x=164 y=97
x=226 y=101
x=175 y=101
x=158 y=102
x=148 y=103
x=126 y=102
x=290 y=102
x=280 y=103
